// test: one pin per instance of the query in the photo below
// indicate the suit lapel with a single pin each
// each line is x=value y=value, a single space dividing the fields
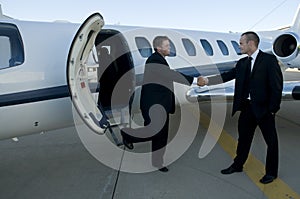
x=257 y=61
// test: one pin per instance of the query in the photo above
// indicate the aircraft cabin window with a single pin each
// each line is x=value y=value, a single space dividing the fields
x=236 y=47
x=144 y=46
x=11 y=46
x=172 y=50
x=207 y=47
x=189 y=47
x=223 y=47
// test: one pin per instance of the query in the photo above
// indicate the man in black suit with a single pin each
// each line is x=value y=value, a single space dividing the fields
x=157 y=102
x=258 y=92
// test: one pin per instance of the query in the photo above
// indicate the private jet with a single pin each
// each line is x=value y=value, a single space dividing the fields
x=48 y=70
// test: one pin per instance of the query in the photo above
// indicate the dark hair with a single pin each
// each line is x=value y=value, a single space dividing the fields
x=157 y=41
x=250 y=35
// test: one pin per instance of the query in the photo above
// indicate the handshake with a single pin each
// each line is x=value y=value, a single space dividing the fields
x=202 y=81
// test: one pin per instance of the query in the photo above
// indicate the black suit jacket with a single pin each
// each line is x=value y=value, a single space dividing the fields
x=266 y=84
x=158 y=85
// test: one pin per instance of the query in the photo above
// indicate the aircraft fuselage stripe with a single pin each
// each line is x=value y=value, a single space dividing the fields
x=57 y=92
x=34 y=96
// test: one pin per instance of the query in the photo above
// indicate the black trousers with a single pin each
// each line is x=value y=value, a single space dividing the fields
x=247 y=124
x=157 y=133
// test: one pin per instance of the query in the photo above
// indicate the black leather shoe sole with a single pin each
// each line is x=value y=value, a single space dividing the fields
x=230 y=170
x=128 y=144
x=267 y=179
x=164 y=169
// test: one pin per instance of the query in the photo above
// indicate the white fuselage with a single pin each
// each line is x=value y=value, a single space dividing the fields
x=34 y=94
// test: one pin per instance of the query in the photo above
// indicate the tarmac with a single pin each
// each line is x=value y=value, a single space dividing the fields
x=57 y=165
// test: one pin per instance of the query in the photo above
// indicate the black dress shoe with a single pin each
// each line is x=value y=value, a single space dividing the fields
x=164 y=169
x=230 y=170
x=127 y=144
x=267 y=179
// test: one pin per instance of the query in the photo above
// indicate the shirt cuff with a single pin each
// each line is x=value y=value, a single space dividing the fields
x=195 y=81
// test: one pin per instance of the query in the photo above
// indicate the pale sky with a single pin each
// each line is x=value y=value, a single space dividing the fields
x=209 y=15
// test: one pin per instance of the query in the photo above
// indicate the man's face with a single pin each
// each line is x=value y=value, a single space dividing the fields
x=164 y=49
x=244 y=45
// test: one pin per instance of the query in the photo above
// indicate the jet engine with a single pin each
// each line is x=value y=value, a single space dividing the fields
x=286 y=49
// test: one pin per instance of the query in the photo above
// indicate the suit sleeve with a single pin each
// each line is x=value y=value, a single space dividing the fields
x=275 y=81
x=224 y=77
x=162 y=72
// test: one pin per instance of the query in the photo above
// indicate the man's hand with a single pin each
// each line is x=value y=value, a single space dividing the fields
x=202 y=81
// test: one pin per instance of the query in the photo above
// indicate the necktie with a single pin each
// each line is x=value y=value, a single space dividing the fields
x=247 y=77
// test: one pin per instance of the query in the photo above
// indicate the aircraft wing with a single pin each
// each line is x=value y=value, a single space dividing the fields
x=217 y=93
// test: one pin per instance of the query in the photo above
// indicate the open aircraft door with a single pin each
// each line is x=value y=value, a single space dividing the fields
x=77 y=74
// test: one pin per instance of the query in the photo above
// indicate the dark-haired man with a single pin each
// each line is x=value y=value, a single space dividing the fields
x=258 y=91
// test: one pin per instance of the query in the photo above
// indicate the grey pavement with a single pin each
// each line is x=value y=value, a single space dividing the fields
x=56 y=165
